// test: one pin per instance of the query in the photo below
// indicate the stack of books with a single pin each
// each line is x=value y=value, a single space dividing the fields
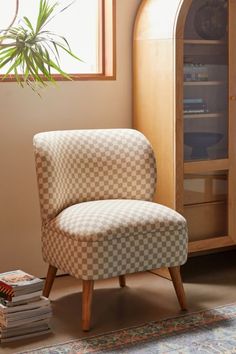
x=195 y=105
x=24 y=312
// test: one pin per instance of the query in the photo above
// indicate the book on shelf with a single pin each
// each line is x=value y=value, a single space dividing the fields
x=195 y=105
x=193 y=100
x=195 y=110
x=24 y=312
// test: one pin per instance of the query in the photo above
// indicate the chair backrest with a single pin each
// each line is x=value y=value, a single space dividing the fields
x=74 y=166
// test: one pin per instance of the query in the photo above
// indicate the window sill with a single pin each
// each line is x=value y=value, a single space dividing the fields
x=74 y=77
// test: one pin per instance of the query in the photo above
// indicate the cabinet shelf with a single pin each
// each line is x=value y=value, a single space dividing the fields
x=203 y=115
x=210 y=244
x=215 y=202
x=204 y=83
x=204 y=42
x=206 y=166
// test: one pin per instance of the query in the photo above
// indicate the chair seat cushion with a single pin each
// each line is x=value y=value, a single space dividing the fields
x=106 y=219
x=114 y=237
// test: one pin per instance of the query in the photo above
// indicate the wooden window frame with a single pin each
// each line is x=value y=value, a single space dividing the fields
x=107 y=52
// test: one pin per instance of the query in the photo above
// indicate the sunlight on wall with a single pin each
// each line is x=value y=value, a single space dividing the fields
x=79 y=24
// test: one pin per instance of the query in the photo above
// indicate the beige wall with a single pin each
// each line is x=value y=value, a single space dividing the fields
x=70 y=105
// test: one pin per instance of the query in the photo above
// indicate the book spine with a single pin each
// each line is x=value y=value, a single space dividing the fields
x=6 y=291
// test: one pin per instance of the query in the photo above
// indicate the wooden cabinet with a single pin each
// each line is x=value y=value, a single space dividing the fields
x=184 y=89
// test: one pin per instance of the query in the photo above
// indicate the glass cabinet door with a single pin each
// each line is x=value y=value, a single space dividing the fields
x=205 y=83
x=205 y=118
x=206 y=204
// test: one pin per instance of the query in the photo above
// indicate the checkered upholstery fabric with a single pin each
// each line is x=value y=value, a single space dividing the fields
x=105 y=225
x=81 y=165
x=101 y=239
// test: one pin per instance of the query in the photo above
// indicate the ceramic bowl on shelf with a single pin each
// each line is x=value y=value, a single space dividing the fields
x=210 y=20
x=200 y=142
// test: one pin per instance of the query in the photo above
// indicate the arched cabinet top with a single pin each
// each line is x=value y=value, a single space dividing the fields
x=161 y=19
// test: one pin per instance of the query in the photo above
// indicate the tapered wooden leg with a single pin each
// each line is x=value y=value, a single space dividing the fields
x=87 y=303
x=178 y=285
x=122 y=281
x=52 y=271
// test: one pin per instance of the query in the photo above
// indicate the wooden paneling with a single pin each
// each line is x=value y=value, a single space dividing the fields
x=206 y=220
x=206 y=166
x=210 y=244
x=155 y=19
x=154 y=58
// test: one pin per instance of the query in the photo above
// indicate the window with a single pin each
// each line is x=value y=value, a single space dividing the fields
x=88 y=25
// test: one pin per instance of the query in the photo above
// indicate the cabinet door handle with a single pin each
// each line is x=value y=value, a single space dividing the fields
x=232 y=98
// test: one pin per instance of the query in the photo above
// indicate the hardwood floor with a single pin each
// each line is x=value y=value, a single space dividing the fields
x=209 y=281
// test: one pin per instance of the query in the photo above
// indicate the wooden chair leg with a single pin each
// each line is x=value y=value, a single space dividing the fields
x=87 y=303
x=178 y=285
x=122 y=281
x=52 y=271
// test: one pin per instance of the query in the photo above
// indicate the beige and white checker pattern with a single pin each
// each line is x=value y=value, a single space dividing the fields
x=81 y=165
x=102 y=239
x=95 y=188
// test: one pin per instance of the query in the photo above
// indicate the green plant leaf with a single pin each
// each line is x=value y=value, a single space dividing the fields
x=12 y=67
x=28 y=23
x=34 y=51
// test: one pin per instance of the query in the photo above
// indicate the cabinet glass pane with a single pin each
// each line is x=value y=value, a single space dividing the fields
x=205 y=204
x=205 y=73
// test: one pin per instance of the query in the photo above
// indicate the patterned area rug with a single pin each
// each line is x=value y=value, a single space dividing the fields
x=208 y=331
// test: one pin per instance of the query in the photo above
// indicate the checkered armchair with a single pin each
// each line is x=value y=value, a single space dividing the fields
x=98 y=219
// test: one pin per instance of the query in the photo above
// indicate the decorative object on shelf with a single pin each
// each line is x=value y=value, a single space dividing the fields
x=195 y=72
x=200 y=141
x=210 y=20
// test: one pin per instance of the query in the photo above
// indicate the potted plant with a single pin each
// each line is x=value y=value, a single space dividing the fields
x=30 y=52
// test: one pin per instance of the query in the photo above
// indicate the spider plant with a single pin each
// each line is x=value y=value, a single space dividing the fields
x=31 y=52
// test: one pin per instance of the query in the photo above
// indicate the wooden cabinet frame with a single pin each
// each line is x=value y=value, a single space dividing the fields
x=158 y=55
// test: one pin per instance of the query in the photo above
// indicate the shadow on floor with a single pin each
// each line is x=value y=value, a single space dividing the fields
x=218 y=268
